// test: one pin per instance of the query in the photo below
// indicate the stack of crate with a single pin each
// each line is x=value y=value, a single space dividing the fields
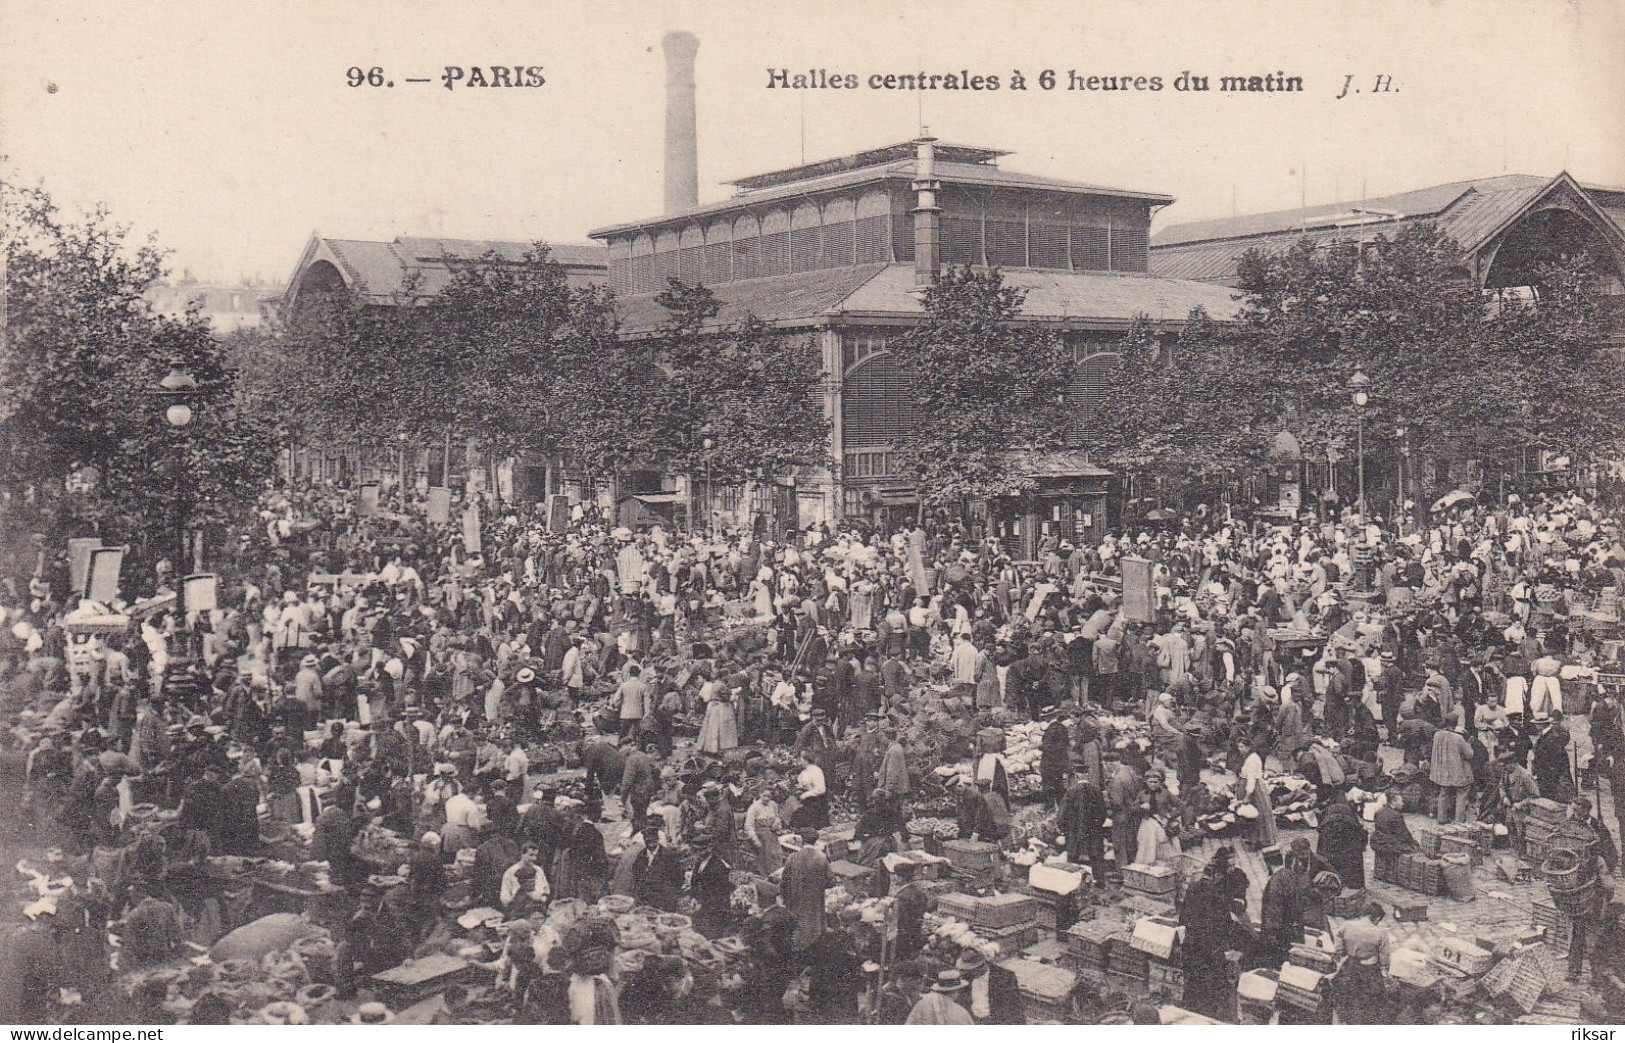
x=1058 y=891
x=1460 y=839
x=1008 y=919
x=1087 y=944
x=1160 y=881
x=1046 y=990
x=1301 y=987
x=1422 y=873
x=1541 y=819
x=975 y=862
x=1125 y=963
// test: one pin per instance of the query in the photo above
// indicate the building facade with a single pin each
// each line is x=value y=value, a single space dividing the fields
x=835 y=255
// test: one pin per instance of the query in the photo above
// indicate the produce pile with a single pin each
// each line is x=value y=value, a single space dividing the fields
x=1292 y=797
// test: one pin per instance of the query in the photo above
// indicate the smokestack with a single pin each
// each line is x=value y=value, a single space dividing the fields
x=927 y=215
x=682 y=152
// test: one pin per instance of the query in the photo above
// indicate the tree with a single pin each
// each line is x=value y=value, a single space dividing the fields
x=83 y=355
x=986 y=388
x=1194 y=421
x=494 y=355
x=1465 y=381
x=751 y=392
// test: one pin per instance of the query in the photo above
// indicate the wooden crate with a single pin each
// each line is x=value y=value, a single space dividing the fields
x=1005 y=910
x=1458 y=844
x=1170 y=977
x=1318 y=960
x=1292 y=996
x=959 y=906
x=1411 y=912
x=1155 y=880
x=975 y=879
x=1124 y=960
x=970 y=855
x=1010 y=939
x=1156 y=936
x=1088 y=939
x=1462 y=955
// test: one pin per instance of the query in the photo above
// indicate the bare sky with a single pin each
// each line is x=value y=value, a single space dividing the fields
x=228 y=128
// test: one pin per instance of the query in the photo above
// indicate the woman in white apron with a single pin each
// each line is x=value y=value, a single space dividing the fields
x=1256 y=791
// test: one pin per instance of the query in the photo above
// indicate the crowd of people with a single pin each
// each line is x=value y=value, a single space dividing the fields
x=569 y=711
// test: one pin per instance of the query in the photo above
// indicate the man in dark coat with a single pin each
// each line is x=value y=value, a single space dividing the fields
x=709 y=886
x=605 y=768
x=1342 y=843
x=640 y=780
x=1553 y=772
x=492 y=859
x=1390 y=835
x=909 y=902
x=544 y=825
x=426 y=882
x=1211 y=930
x=1055 y=755
x=1335 y=712
x=649 y=871
x=1285 y=909
x=1081 y=820
x=238 y=823
x=1390 y=695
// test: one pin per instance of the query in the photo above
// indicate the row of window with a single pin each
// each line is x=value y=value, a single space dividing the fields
x=1097 y=244
x=873 y=464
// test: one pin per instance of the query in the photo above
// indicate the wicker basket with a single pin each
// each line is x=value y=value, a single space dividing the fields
x=1457 y=877
x=1567 y=869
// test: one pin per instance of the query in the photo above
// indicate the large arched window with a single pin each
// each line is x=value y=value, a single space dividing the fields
x=876 y=408
x=1089 y=391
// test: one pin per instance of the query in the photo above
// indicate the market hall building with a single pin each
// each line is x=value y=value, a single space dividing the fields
x=835 y=255
x=1506 y=226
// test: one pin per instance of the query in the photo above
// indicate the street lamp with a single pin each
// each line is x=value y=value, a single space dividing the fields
x=1358 y=385
x=174 y=393
x=710 y=510
x=1400 y=433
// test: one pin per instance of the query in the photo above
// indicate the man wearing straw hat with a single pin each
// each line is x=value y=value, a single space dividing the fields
x=941 y=1006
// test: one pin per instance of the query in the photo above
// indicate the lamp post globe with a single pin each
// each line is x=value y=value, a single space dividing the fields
x=1358 y=384
x=174 y=393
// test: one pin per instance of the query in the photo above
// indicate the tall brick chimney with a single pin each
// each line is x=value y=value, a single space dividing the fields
x=682 y=150
x=927 y=214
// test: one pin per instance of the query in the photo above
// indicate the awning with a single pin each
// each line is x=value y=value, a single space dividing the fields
x=1062 y=464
